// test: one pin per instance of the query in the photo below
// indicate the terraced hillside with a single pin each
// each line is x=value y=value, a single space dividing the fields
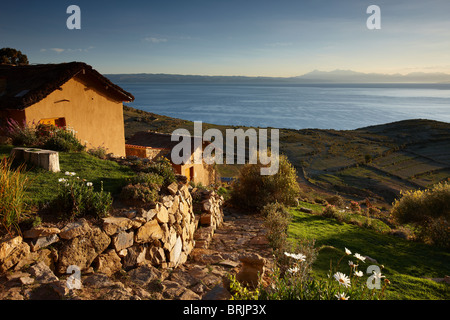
x=377 y=161
x=374 y=162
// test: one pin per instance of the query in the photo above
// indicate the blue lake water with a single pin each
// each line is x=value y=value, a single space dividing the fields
x=296 y=106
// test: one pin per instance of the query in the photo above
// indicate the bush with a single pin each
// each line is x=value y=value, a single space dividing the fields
x=354 y=206
x=330 y=211
x=12 y=194
x=99 y=152
x=63 y=140
x=77 y=197
x=163 y=168
x=277 y=219
x=253 y=190
x=139 y=193
x=428 y=210
x=151 y=179
x=21 y=135
x=43 y=136
x=336 y=200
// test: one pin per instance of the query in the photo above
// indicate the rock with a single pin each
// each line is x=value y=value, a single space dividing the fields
x=172 y=289
x=228 y=263
x=42 y=242
x=136 y=256
x=175 y=253
x=97 y=281
x=219 y=292
x=148 y=232
x=252 y=269
x=81 y=251
x=189 y=295
x=123 y=240
x=75 y=229
x=22 y=278
x=8 y=245
x=42 y=273
x=44 y=255
x=175 y=205
x=143 y=275
x=20 y=252
x=173 y=188
x=108 y=262
x=171 y=239
x=185 y=278
x=40 y=231
x=156 y=255
x=112 y=225
x=163 y=215
x=206 y=219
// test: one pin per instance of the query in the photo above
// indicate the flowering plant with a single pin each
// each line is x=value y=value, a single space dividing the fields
x=78 y=197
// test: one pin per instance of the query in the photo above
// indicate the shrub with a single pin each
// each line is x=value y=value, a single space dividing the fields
x=12 y=194
x=330 y=211
x=21 y=135
x=354 y=206
x=63 y=140
x=428 y=210
x=336 y=200
x=163 y=168
x=43 y=136
x=77 y=197
x=253 y=191
x=277 y=219
x=151 y=179
x=139 y=193
x=99 y=152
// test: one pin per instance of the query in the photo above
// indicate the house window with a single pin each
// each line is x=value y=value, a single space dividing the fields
x=59 y=122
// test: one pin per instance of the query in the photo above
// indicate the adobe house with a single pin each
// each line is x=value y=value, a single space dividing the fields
x=73 y=95
x=151 y=145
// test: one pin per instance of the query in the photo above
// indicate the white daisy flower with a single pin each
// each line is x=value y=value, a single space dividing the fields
x=347 y=252
x=360 y=257
x=342 y=279
x=62 y=180
x=341 y=296
x=377 y=275
x=297 y=256
x=352 y=264
x=359 y=273
x=67 y=173
x=89 y=184
x=293 y=270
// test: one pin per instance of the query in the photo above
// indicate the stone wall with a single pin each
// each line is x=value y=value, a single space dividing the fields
x=162 y=236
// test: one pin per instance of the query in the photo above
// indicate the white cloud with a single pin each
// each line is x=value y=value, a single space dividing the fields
x=61 y=50
x=155 y=40
x=57 y=50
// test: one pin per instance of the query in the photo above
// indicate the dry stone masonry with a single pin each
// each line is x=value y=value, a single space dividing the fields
x=162 y=236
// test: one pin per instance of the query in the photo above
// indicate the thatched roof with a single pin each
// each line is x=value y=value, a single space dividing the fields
x=23 y=86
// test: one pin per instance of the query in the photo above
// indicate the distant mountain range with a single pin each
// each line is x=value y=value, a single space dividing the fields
x=316 y=76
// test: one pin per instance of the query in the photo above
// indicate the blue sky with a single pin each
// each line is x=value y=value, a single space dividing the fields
x=228 y=37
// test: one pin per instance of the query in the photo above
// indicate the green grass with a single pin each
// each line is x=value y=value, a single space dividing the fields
x=407 y=263
x=44 y=184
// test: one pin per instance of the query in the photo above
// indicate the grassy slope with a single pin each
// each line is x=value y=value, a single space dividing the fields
x=43 y=183
x=407 y=263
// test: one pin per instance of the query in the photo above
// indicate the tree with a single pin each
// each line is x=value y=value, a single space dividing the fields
x=12 y=57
